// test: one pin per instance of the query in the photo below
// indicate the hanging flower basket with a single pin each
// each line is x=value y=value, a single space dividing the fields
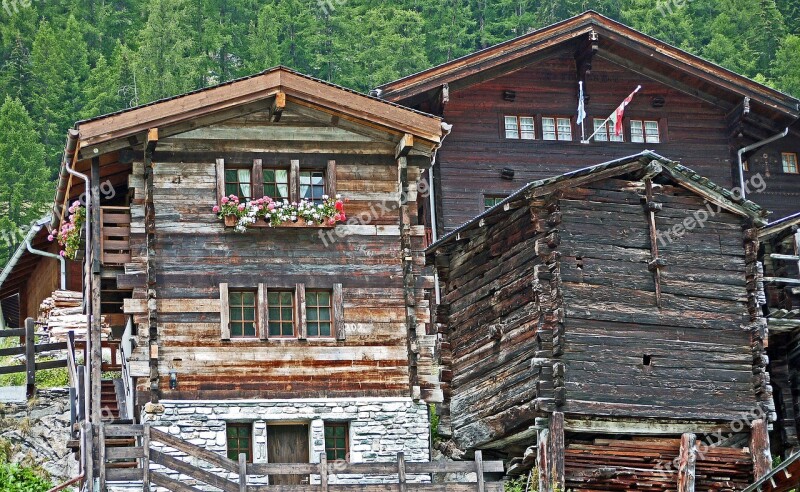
x=70 y=235
x=266 y=212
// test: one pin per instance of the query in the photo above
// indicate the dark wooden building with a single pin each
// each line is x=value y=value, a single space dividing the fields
x=605 y=322
x=513 y=108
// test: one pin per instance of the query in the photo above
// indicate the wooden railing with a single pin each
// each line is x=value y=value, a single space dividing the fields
x=115 y=233
x=324 y=470
x=29 y=348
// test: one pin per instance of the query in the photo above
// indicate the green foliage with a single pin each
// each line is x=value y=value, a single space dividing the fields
x=14 y=478
x=434 y=418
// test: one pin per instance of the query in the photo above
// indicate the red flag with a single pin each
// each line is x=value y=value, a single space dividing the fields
x=619 y=113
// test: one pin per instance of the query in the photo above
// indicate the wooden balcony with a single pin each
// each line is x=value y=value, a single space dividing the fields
x=115 y=232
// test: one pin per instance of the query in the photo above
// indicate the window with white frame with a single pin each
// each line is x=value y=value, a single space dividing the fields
x=606 y=133
x=520 y=127
x=789 y=160
x=556 y=128
x=644 y=131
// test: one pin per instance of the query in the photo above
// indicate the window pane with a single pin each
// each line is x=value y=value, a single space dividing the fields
x=512 y=131
x=286 y=298
x=637 y=134
x=282 y=176
x=269 y=175
x=651 y=132
x=286 y=313
x=548 y=128
x=275 y=329
x=312 y=315
x=564 y=129
x=324 y=329
x=601 y=135
x=324 y=314
x=324 y=298
x=789 y=163
x=613 y=136
x=526 y=128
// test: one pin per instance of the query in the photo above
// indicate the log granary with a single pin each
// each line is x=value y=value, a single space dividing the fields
x=603 y=326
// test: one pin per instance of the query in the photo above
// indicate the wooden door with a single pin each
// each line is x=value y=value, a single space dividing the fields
x=288 y=444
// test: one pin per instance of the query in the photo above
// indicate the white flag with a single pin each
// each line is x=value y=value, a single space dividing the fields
x=581 y=108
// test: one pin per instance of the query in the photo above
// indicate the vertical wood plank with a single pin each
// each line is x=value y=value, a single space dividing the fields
x=220 y=179
x=338 y=311
x=686 y=464
x=479 y=470
x=557 y=450
x=294 y=181
x=101 y=450
x=224 y=313
x=300 y=310
x=401 y=472
x=242 y=472
x=146 y=459
x=257 y=179
x=330 y=179
x=543 y=461
x=759 y=447
x=30 y=357
x=95 y=310
x=323 y=471
x=261 y=312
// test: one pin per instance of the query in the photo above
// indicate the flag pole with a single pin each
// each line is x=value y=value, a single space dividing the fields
x=638 y=88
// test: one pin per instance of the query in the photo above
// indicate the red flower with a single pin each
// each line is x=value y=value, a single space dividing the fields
x=339 y=206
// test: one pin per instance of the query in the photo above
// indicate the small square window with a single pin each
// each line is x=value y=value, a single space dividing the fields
x=238 y=183
x=312 y=185
x=240 y=440
x=280 y=309
x=318 y=313
x=242 y=306
x=490 y=201
x=789 y=160
x=336 y=441
x=276 y=183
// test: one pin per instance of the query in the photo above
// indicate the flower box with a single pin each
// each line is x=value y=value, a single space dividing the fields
x=231 y=220
x=302 y=223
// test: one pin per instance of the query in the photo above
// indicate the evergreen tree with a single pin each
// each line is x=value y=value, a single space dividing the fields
x=786 y=67
x=24 y=190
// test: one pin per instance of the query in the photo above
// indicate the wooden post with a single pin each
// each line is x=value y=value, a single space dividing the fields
x=86 y=452
x=30 y=357
x=401 y=472
x=294 y=180
x=655 y=263
x=81 y=392
x=688 y=459
x=557 y=450
x=323 y=471
x=759 y=447
x=242 y=472
x=479 y=470
x=96 y=349
x=146 y=459
x=543 y=461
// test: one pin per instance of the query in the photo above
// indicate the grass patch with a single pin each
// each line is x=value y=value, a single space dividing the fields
x=48 y=378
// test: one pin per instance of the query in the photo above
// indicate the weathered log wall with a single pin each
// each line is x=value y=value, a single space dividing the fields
x=692 y=358
x=194 y=253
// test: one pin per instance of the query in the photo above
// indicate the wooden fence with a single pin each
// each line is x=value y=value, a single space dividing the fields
x=147 y=456
x=29 y=348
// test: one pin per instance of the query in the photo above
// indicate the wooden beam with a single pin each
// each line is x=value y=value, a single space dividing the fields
x=759 y=448
x=557 y=450
x=655 y=262
x=404 y=146
x=587 y=48
x=686 y=465
x=278 y=105
x=151 y=142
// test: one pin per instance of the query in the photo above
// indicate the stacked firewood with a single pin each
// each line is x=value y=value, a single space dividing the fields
x=62 y=312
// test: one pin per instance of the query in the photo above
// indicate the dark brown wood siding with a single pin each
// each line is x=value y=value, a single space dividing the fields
x=692 y=131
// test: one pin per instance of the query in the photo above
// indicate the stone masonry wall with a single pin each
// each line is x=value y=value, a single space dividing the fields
x=379 y=428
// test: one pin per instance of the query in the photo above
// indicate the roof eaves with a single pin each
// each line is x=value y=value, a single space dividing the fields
x=37 y=226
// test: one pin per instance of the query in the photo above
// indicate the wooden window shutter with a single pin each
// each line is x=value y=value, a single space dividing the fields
x=300 y=311
x=224 y=313
x=262 y=317
x=338 y=311
x=294 y=181
x=220 y=180
x=330 y=179
x=257 y=178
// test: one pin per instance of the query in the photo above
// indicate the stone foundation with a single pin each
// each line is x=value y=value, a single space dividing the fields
x=379 y=428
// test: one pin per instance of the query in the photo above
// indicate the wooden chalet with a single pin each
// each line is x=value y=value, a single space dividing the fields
x=513 y=108
x=603 y=324
x=279 y=352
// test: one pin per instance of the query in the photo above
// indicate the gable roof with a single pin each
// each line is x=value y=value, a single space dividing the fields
x=682 y=175
x=22 y=263
x=258 y=87
x=622 y=44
